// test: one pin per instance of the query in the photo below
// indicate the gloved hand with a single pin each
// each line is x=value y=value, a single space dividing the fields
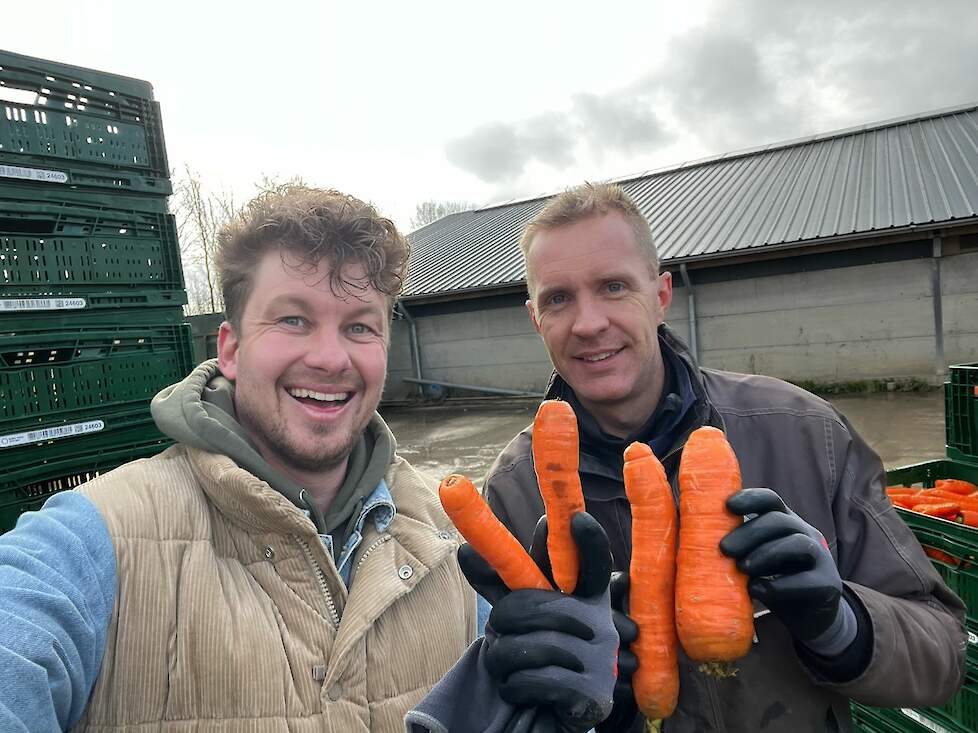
x=625 y=710
x=791 y=570
x=548 y=649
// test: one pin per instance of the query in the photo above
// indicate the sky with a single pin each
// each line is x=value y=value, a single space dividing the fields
x=402 y=102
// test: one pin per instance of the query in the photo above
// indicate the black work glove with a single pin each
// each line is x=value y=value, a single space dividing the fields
x=625 y=710
x=788 y=562
x=548 y=649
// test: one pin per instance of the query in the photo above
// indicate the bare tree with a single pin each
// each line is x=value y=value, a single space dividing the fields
x=429 y=211
x=200 y=216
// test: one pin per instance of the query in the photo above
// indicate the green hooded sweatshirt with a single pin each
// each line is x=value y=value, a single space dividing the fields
x=199 y=411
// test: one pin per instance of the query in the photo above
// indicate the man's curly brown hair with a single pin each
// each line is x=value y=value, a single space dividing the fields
x=310 y=225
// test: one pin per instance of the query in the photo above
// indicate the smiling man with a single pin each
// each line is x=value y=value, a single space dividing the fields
x=280 y=567
x=847 y=604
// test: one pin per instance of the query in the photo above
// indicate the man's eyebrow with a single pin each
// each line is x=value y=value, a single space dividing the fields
x=288 y=300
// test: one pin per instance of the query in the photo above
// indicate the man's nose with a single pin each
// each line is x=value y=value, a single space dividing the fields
x=589 y=321
x=327 y=352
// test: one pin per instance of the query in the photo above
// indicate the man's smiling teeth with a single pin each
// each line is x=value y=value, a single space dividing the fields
x=599 y=357
x=321 y=396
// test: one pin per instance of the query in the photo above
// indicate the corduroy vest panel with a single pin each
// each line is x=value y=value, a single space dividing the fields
x=227 y=613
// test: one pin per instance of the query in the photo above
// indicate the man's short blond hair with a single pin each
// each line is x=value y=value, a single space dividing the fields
x=583 y=202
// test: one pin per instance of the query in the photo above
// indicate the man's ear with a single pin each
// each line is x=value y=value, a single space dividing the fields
x=227 y=350
x=533 y=315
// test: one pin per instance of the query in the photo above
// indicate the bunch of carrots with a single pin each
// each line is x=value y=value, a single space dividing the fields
x=952 y=499
x=691 y=595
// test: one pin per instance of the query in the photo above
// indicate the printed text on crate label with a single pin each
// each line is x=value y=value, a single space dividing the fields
x=41 y=304
x=61 y=431
x=33 y=174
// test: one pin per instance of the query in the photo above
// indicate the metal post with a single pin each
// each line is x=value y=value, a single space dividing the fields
x=691 y=308
x=937 y=293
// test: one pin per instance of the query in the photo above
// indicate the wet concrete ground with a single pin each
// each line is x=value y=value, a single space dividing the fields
x=465 y=437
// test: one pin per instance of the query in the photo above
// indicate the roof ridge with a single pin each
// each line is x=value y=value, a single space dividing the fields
x=767 y=147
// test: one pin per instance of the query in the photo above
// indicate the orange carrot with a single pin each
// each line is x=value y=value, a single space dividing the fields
x=969 y=517
x=965 y=500
x=900 y=491
x=479 y=526
x=943 y=510
x=956 y=485
x=714 y=616
x=555 y=459
x=652 y=579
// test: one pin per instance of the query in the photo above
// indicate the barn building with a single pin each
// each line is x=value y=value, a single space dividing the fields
x=841 y=257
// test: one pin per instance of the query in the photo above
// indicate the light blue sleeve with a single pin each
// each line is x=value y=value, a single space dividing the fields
x=482 y=610
x=57 y=590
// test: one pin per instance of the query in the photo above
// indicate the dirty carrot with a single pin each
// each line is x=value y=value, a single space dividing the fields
x=956 y=485
x=479 y=526
x=652 y=579
x=555 y=459
x=714 y=616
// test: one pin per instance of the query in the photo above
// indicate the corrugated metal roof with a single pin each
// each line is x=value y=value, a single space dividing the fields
x=919 y=170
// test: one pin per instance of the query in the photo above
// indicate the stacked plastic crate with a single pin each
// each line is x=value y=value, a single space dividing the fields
x=953 y=549
x=91 y=293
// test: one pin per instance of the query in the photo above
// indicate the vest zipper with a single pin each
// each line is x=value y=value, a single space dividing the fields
x=321 y=577
x=370 y=549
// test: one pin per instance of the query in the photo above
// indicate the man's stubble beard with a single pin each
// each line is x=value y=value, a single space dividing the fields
x=274 y=436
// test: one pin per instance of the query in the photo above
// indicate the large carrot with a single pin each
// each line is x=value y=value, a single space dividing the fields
x=652 y=579
x=555 y=459
x=479 y=526
x=967 y=501
x=956 y=485
x=714 y=616
x=944 y=510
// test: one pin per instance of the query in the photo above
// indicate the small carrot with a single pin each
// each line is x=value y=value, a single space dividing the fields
x=956 y=485
x=652 y=580
x=479 y=526
x=934 y=554
x=714 y=616
x=969 y=517
x=555 y=460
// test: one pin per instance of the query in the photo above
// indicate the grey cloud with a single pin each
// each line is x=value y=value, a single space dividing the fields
x=756 y=72
x=620 y=122
x=492 y=152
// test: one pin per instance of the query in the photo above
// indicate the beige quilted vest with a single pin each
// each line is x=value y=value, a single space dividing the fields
x=226 y=615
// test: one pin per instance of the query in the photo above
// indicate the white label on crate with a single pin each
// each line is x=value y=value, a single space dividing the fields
x=926 y=722
x=33 y=174
x=42 y=304
x=972 y=637
x=61 y=431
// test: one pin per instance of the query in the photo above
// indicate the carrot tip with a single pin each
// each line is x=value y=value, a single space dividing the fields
x=718 y=669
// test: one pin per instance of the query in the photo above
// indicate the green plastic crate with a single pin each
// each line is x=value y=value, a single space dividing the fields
x=77 y=256
x=68 y=127
x=959 y=715
x=115 y=429
x=33 y=322
x=28 y=488
x=53 y=378
x=961 y=412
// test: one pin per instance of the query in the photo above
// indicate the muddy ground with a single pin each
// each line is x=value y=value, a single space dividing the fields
x=465 y=436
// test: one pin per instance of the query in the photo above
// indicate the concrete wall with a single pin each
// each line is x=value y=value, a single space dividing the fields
x=872 y=321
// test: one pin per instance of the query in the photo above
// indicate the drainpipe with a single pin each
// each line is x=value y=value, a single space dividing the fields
x=691 y=308
x=415 y=350
x=935 y=282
